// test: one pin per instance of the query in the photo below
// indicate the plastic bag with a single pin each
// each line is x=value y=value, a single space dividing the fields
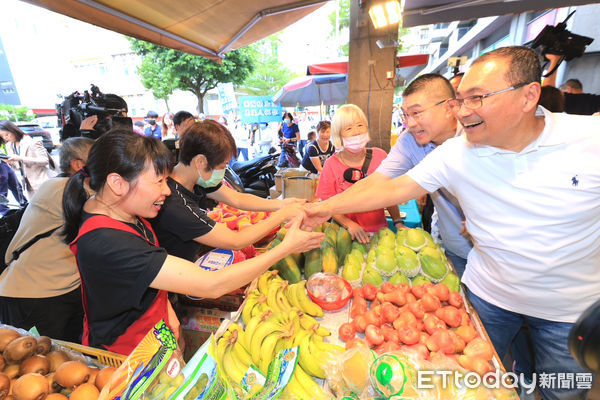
x=152 y=370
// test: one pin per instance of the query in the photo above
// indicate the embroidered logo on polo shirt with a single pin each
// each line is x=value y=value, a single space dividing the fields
x=574 y=180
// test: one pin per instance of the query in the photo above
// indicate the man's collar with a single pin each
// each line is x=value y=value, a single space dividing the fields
x=548 y=137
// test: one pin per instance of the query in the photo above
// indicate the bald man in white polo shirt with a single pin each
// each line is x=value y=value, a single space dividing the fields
x=528 y=182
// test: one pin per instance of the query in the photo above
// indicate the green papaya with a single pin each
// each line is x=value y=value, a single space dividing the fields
x=331 y=233
x=318 y=228
x=312 y=263
x=298 y=257
x=432 y=264
x=343 y=243
x=329 y=260
x=335 y=226
x=288 y=270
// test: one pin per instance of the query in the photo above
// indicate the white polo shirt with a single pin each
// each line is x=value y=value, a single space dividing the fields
x=534 y=216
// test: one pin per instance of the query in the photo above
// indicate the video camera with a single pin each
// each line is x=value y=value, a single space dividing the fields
x=110 y=109
x=558 y=40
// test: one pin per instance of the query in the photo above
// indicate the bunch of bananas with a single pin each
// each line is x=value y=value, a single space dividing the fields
x=232 y=357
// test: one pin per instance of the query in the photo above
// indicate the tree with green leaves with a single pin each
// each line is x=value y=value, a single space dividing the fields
x=15 y=113
x=343 y=22
x=269 y=74
x=167 y=69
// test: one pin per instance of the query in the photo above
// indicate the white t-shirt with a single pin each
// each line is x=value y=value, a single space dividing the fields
x=534 y=216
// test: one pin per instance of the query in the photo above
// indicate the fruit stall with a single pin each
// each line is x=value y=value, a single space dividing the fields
x=383 y=320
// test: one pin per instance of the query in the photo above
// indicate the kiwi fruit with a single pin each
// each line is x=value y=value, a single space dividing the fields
x=56 y=396
x=7 y=336
x=72 y=374
x=11 y=370
x=93 y=373
x=37 y=363
x=20 y=349
x=31 y=387
x=104 y=376
x=44 y=344
x=4 y=385
x=85 y=391
x=53 y=386
x=56 y=359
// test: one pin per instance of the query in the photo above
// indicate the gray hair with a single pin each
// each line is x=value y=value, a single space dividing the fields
x=75 y=148
x=343 y=117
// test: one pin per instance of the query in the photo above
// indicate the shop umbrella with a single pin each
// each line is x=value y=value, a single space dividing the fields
x=314 y=90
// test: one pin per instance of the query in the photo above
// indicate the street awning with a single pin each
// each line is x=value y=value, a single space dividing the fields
x=425 y=12
x=206 y=28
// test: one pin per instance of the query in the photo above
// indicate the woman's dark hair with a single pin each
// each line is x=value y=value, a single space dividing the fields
x=323 y=125
x=209 y=138
x=6 y=125
x=288 y=115
x=118 y=151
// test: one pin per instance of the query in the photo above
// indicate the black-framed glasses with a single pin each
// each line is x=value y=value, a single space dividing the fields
x=475 y=102
x=416 y=116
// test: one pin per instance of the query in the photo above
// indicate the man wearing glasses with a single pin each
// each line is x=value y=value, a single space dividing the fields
x=429 y=122
x=528 y=182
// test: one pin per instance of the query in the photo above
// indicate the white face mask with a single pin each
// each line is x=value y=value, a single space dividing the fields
x=355 y=144
x=287 y=120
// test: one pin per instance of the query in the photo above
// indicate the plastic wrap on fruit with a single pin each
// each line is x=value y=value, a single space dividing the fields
x=348 y=377
x=327 y=288
x=151 y=371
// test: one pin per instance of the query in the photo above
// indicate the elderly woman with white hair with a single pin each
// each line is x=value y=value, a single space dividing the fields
x=350 y=132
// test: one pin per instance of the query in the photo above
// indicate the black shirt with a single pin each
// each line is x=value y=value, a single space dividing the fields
x=182 y=219
x=117 y=268
x=313 y=150
x=582 y=103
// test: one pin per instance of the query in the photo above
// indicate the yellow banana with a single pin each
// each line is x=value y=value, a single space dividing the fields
x=251 y=327
x=264 y=280
x=251 y=302
x=231 y=368
x=298 y=337
x=272 y=298
x=267 y=350
x=260 y=308
x=241 y=353
x=284 y=343
x=329 y=348
x=281 y=299
x=294 y=390
x=309 y=385
x=321 y=331
x=291 y=296
x=220 y=352
x=259 y=335
x=306 y=304
x=310 y=358
x=307 y=322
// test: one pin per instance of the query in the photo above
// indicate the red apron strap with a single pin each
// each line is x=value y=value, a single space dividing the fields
x=158 y=309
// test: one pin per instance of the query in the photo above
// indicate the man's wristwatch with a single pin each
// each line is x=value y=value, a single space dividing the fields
x=398 y=221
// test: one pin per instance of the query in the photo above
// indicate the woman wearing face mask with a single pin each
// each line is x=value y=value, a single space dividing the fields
x=349 y=131
x=125 y=276
x=183 y=227
x=290 y=136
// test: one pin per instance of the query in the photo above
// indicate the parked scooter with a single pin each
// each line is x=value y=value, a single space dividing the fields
x=256 y=176
x=288 y=158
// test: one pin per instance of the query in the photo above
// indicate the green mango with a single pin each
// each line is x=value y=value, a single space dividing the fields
x=371 y=255
x=358 y=254
x=415 y=239
x=383 y=232
x=452 y=281
x=386 y=263
x=359 y=246
x=329 y=260
x=433 y=265
x=407 y=260
x=343 y=244
x=387 y=241
x=383 y=250
x=351 y=272
x=312 y=263
x=371 y=276
x=420 y=280
x=398 y=277
x=352 y=258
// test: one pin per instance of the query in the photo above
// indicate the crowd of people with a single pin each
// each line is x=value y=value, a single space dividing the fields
x=515 y=186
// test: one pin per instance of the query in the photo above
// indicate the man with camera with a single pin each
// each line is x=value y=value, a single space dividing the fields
x=528 y=182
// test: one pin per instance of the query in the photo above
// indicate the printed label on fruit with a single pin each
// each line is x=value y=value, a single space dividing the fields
x=279 y=374
x=173 y=368
x=213 y=261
